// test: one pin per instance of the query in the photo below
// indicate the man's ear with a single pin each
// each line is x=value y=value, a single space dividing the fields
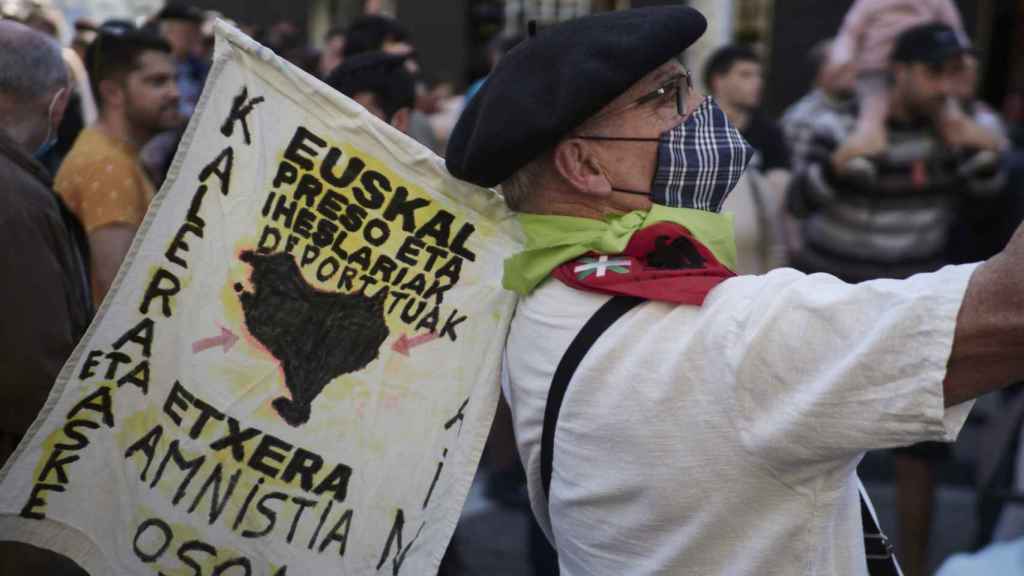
x=400 y=120
x=712 y=87
x=112 y=90
x=580 y=168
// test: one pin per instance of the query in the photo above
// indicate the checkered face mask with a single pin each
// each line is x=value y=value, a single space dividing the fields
x=699 y=161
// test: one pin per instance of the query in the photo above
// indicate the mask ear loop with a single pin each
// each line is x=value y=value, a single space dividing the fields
x=635 y=192
x=49 y=115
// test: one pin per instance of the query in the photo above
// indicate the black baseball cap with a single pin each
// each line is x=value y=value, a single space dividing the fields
x=931 y=44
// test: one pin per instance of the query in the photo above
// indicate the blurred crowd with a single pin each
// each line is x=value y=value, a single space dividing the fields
x=890 y=165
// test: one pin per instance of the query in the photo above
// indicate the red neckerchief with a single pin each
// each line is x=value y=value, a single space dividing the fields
x=661 y=262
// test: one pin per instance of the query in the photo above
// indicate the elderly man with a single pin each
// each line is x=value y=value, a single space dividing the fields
x=674 y=418
x=43 y=287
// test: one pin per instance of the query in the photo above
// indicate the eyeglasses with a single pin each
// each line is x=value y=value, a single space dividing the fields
x=679 y=85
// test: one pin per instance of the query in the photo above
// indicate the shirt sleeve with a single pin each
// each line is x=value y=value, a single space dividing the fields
x=827 y=370
x=103 y=192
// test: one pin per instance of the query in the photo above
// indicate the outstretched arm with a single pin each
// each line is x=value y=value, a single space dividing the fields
x=988 y=345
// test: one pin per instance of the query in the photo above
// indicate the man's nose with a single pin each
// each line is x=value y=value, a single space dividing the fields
x=948 y=86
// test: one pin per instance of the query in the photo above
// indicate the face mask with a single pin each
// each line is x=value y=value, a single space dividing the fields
x=46 y=146
x=699 y=161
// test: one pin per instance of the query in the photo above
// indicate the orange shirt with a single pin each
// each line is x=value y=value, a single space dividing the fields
x=103 y=182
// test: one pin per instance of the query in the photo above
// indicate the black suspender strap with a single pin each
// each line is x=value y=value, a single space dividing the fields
x=605 y=316
x=877 y=548
x=879 y=552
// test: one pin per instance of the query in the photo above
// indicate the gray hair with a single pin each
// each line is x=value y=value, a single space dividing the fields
x=31 y=64
x=525 y=182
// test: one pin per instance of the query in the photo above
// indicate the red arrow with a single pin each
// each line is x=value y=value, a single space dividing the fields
x=404 y=344
x=226 y=339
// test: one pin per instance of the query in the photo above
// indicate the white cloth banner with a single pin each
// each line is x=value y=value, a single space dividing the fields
x=298 y=365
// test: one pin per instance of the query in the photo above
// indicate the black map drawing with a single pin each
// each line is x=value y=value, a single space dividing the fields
x=316 y=336
x=677 y=255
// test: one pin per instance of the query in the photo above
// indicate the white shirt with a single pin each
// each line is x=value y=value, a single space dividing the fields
x=724 y=439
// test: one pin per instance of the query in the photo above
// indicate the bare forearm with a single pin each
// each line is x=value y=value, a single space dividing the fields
x=102 y=279
x=108 y=245
x=988 y=346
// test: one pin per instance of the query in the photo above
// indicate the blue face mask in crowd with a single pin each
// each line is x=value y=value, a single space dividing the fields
x=699 y=161
x=51 y=133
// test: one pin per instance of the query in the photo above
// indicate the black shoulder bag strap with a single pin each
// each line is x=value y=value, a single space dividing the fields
x=880 y=558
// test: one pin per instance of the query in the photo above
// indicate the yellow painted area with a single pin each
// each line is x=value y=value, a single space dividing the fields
x=134 y=426
x=57 y=436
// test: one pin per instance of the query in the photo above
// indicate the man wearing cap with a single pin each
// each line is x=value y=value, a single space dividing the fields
x=674 y=418
x=895 y=219
x=914 y=186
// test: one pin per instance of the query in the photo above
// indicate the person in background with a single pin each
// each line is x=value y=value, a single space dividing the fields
x=102 y=179
x=46 y=19
x=496 y=48
x=798 y=120
x=380 y=83
x=207 y=37
x=181 y=26
x=734 y=76
x=895 y=222
x=965 y=92
x=85 y=33
x=81 y=110
x=982 y=228
x=333 y=53
x=376 y=33
x=44 y=288
x=287 y=40
x=862 y=48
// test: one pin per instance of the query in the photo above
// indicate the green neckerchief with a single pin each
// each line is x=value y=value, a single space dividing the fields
x=553 y=240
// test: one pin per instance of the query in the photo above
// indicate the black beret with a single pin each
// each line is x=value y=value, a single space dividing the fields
x=550 y=83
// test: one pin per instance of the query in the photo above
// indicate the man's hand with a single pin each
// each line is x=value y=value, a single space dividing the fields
x=108 y=244
x=859 y=145
x=988 y=346
x=960 y=131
